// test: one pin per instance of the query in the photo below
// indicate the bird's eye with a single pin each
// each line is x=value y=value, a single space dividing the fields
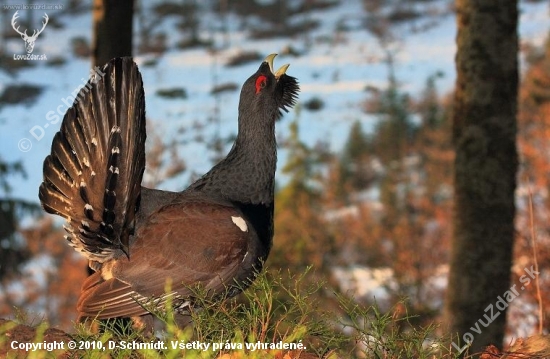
x=260 y=83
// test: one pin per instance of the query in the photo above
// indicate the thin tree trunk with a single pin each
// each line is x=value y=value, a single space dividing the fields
x=486 y=161
x=112 y=30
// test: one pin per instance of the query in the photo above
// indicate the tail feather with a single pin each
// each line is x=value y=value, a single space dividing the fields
x=93 y=175
x=63 y=183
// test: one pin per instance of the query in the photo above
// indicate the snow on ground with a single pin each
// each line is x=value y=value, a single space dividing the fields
x=336 y=70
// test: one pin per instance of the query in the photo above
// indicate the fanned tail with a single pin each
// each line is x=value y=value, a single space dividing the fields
x=93 y=175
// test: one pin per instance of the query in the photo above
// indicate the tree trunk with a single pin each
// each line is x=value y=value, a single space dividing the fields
x=112 y=30
x=484 y=135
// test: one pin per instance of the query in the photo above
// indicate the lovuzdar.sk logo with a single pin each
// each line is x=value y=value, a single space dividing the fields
x=29 y=40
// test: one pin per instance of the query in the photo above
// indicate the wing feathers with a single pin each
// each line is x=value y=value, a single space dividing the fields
x=108 y=299
x=210 y=252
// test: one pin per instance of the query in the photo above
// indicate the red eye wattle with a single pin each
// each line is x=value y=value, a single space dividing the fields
x=260 y=83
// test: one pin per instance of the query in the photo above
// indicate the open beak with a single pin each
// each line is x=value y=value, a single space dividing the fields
x=281 y=71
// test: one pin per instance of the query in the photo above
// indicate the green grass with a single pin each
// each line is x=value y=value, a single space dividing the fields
x=277 y=308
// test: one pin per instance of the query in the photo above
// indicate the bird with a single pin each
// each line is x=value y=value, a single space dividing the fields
x=216 y=233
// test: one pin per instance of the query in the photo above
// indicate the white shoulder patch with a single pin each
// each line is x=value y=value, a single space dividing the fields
x=240 y=222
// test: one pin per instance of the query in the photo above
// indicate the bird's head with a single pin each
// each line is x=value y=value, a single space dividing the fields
x=267 y=92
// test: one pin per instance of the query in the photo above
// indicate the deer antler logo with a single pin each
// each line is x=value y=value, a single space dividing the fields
x=29 y=40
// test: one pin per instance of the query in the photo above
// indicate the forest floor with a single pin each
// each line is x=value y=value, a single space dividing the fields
x=14 y=335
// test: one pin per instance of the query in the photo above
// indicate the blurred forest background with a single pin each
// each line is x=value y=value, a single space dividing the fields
x=373 y=217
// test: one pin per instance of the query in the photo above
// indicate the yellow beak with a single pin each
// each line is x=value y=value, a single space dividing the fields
x=281 y=71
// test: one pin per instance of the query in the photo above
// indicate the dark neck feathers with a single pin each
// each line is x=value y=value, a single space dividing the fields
x=247 y=174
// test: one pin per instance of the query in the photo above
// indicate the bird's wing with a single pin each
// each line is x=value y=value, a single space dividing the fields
x=187 y=244
x=93 y=175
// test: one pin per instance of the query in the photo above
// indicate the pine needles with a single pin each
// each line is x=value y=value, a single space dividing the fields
x=279 y=316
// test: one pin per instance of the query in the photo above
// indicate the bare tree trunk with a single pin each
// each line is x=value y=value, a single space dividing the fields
x=486 y=161
x=112 y=30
